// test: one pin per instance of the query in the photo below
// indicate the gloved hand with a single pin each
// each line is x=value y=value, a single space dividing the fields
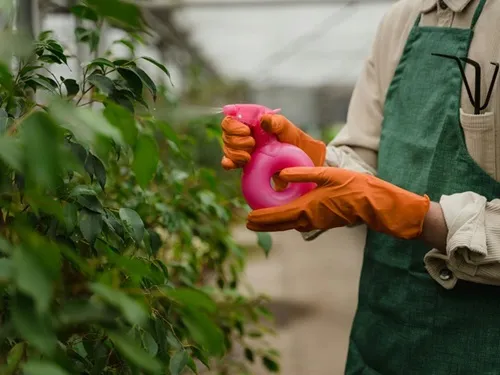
x=239 y=143
x=342 y=198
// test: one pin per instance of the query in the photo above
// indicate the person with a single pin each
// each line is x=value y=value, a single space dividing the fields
x=420 y=167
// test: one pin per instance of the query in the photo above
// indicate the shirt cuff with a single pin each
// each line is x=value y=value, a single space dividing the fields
x=467 y=256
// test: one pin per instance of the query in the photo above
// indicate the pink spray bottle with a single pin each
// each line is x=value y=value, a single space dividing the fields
x=268 y=158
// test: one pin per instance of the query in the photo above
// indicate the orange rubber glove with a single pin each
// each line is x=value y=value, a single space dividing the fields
x=343 y=198
x=239 y=143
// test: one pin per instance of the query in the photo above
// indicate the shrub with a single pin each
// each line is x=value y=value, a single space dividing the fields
x=115 y=250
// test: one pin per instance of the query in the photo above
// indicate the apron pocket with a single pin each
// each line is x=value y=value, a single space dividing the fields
x=479 y=133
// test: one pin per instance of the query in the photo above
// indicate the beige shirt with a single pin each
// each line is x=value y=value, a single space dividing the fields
x=473 y=245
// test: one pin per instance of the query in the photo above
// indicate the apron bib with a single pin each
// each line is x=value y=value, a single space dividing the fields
x=405 y=323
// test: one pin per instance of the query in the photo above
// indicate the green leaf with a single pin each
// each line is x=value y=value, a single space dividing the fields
x=43 y=367
x=40 y=137
x=72 y=87
x=90 y=225
x=148 y=82
x=132 y=78
x=14 y=358
x=32 y=279
x=133 y=223
x=45 y=83
x=101 y=62
x=154 y=242
x=85 y=124
x=159 y=65
x=11 y=152
x=84 y=12
x=6 y=269
x=149 y=343
x=70 y=216
x=95 y=168
x=178 y=362
x=204 y=331
x=134 y=353
x=34 y=328
x=270 y=364
x=4 y=121
x=123 y=120
x=146 y=157
x=265 y=241
x=103 y=83
x=123 y=13
x=192 y=298
x=249 y=355
x=131 y=309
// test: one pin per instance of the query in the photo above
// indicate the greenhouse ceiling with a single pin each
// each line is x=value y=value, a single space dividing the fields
x=287 y=42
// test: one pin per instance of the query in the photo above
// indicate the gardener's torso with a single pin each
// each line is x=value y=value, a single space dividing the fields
x=406 y=323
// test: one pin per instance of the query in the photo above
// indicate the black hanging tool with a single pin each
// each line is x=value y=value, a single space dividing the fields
x=476 y=99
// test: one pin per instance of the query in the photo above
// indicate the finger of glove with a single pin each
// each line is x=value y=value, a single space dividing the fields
x=319 y=175
x=238 y=157
x=276 y=215
x=280 y=126
x=281 y=227
x=228 y=164
x=237 y=142
x=232 y=126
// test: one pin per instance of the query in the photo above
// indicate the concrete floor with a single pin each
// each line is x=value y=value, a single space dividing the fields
x=314 y=290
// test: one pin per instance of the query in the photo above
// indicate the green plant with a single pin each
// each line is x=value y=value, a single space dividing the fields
x=115 y=250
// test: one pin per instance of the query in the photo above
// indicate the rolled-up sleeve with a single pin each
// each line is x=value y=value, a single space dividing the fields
x=473 y=243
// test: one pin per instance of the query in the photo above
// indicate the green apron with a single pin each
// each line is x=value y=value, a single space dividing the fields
x=406 y=324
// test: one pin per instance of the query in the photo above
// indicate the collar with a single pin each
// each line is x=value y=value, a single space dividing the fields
x=455 y=5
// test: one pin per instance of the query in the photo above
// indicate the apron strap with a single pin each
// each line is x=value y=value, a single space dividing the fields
x=475 y=18
x=479 y=9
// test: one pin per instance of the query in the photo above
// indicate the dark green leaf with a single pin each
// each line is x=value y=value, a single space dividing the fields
x=6 y=269
x=192 y=298
x=133 y=79
x=70 y=217
x=101 y=62
x=40 y=137
x=103 y=83
x=45 y=83
x=84 y=12
x=124 y=120
x=265 y=241
x=178 y=362
x=270 y=364
x=149 y=343
x=4 y=121
x=148 y=82
x=72 y=87
x=249 y=355
x=146 y=157
x=43 y=367
x=204 y=331
x=15 y=357
x=125 y=14
x=154 y=241
x=32 y=279
x=133 y=223
x=95 y=168
x=90 y=225
x=134 y=353
x=131 y=309
x=11 y=153
x=33 y=327
x=159 y=65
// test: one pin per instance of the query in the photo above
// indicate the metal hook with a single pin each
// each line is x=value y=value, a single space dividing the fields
x=476 y=99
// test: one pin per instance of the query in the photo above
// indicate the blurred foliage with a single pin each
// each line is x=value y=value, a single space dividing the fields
x=115 y=250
